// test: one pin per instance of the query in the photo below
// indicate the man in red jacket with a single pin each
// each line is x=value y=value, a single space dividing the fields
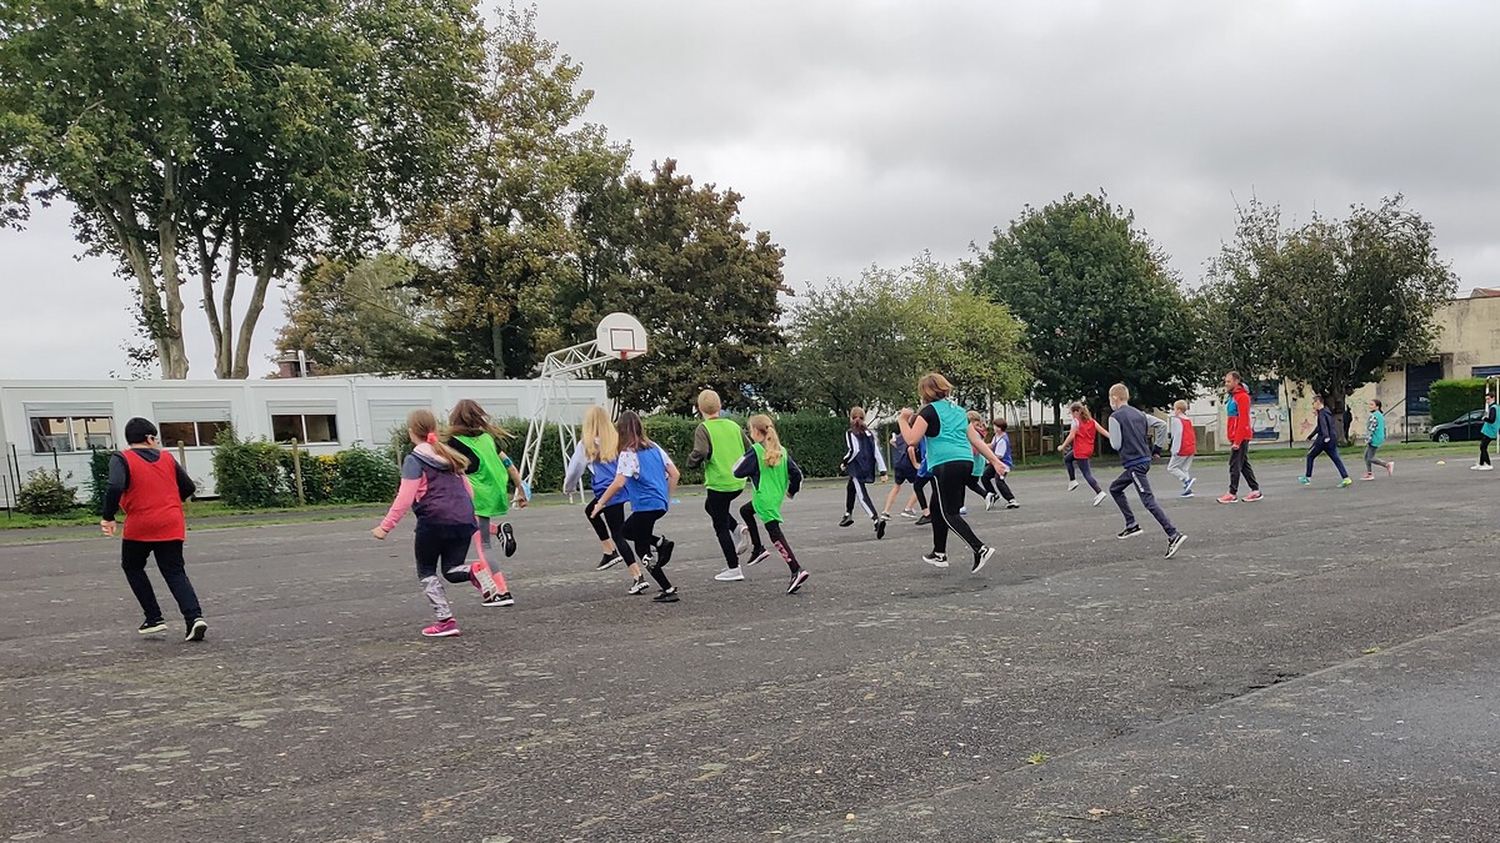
x=1237 y=408
x=150 y=486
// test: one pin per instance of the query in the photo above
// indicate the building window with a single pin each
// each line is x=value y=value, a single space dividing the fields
x=71 y=434
x=191 y=434
x=308 y=428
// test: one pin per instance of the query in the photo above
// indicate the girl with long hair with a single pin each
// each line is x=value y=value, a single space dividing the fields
x=597 y=454
x=645 y=472
x=770 y=469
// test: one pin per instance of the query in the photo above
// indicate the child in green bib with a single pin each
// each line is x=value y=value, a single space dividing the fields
x=717 y=445
x=490 y=472
x=770 y=469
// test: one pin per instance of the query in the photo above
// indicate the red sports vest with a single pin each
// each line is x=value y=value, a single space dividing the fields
x=1189 y=438
x=153 y=508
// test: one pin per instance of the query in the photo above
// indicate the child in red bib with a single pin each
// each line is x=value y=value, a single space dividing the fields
x=150 y=487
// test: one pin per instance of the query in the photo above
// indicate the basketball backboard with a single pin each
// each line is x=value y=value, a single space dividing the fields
x=621 y=336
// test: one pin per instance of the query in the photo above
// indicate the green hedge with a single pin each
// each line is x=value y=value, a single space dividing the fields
x=251 y=474
x=43 y=492
x=1452 y=398
x=98 y=477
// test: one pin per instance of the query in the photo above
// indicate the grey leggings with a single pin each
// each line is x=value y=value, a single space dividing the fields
x=1371 y=460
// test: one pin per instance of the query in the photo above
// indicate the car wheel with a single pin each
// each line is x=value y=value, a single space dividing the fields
x=1444 y=437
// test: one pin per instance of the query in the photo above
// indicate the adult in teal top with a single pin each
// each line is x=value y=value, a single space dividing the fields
x=1488 y=432
x=951 y=445
x=1375 y=430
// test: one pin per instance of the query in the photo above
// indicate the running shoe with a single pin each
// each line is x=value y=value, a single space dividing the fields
x=1228 y=498
x=1099 y=498
x=638 y=587
x=730 y=575
x=1190 y=483
x=797 y=581
x=908 y=513
x=1346 y=482
x=609 y=560
x=508 y=538
x=1390 y=468
x=667 y=595
x=924 y=520
x=196 y=629
x=149 y=627
x=664 y=552
x=1186 y=493
x=501 y=599
x=880 y=528
x=445 y=628
x=1012 y=504
x=847 y=520
x=1175 y=543
x=742 y=540
x=1368 y=476
x=982 y=557
x=1304 y=480
x=963 y=510
x=989 y=501
x=1253 y=496
x=1487 y=467
x=936 y=560
x=1072 y=484
x=758 y=555
x=1132 y=530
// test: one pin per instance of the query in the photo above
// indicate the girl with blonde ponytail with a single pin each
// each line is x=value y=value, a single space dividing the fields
x=776 y=477
x=597 y=454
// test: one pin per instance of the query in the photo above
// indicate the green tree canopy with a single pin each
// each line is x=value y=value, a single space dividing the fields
x=229 y=141
x=1329 y=303
x=1099 y=304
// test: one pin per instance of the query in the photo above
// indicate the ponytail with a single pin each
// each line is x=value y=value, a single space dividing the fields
x=857 y=421
x=422 y=425
x=767 y=429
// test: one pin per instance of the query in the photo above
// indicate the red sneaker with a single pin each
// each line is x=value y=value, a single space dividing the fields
x=1253 y=496
x=1228 y=498
x=445 y=628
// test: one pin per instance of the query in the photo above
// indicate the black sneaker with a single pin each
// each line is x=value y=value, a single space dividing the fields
x=149 y=627
x=1132 y=530
x=936 y=560
x=981 y=558
x=757 y=556
x=924 y=520
x=880 y=528
x=196 y=629
x=668 y=595
x=638 y=587
x=1175 y=543
x=664 y=552
x=847 y=520
x=1012 y=504
x=797 y=581
x=608 y=560
x=508 y=536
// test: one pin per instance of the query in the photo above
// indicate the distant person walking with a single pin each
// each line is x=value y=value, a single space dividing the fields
x=1237 y=413
x=1487 y=433
x=1374 y=438
x=1325 y=440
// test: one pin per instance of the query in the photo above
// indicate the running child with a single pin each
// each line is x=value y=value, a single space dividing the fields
x=1131 y=434
x=950 y=446
x=150 y=486
x=774 y=477
x=862 y=460
x=596 y=454
x=717 y=445
x=904 y=462
x=434 y=486
x=492 y=476
x=649 y=479
x=1374 y=438
x=1184 y=448
x=1083 y=437
x=1001 y=446
x=1325 y=440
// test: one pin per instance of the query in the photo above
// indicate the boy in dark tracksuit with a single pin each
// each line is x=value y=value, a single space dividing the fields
x=150 y=486
x=1130 y=434
x=1325 y=440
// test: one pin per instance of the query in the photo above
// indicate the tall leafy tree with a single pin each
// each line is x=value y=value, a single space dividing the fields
x=1328 y=303
x=228 y=141
x=507 y=255
x=705 y=288
x=1098 y=301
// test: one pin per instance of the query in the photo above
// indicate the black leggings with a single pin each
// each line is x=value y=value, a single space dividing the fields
x=773 y=530
x=1484 y=449
x=996 y=483
x=949 y=481
x=717 y=505
x=609 y=525
x=919 y=489
x=443 y=548
x=640 y=528
x=859 y=489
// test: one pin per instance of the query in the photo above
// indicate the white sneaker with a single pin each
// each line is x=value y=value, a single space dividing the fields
x=963 y=510
x=742 y=540
x=1475 y=467
x=989 y=502
x=936 y=560
x=1072 y=484
x=730 y=575
x=1486 y=468
x=1099 y=498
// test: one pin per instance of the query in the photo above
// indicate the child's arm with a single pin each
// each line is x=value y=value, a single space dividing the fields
x=748 y=468
x=1067 y=440
x=673 y=475
x=793 y=477
x=406 y=495
x=703 y=447
x=913 y=426
x=879 y=457
x=573 y=476
x=983 y=448
x=523 y=494
x=614 y=489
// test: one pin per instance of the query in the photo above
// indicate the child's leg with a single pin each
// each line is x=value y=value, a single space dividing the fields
x=133 y=557
x=601 y=528
x=1369 y=459
x=747 y=517
x=919 y=491
x=1338 y=462
x=169 y=561
x=1312 y=454
x=778 y=538
x=453 y=557
x=1148 y=499
x=1088 y=474
x=640 y=526
x=717 y=505
x=1068 y=463
x=1377 y=460
x=974 y=485
x=1004 y=489
x=428 y=548
x=849 y=496
x=613 y=518
x=1175 y=467
x=890 y=500
x=1117 y=491
x=480 y=545
x=864 y=498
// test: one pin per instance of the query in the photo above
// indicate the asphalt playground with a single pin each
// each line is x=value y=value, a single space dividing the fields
x=1321 y=666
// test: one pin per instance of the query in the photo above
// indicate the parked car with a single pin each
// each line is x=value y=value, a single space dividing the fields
x=1462 y=429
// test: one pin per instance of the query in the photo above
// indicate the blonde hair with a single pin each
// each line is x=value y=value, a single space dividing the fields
x=422 y=425
x=1081 y=410
x=1181 y=406
x=933 y=387
x=857 y=420
x=601 y=441
x=470 y=419
x=1120 y=391
x=763 y=425
x=709 y=402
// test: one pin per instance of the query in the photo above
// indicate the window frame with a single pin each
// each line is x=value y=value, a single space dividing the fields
x=73 y=428
x=301 y=418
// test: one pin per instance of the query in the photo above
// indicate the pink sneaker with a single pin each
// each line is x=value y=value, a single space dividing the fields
x=445 y=628
x=1253 y=496
x=1390 y=468
x=1368 y=476
x=1228 y=498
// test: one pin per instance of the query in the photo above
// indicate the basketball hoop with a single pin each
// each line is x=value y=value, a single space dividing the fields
x=621 y=335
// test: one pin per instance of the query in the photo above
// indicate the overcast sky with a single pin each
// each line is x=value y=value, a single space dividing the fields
x=866 y=132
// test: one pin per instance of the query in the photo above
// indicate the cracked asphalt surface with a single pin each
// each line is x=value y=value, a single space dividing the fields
x=1320 y=666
